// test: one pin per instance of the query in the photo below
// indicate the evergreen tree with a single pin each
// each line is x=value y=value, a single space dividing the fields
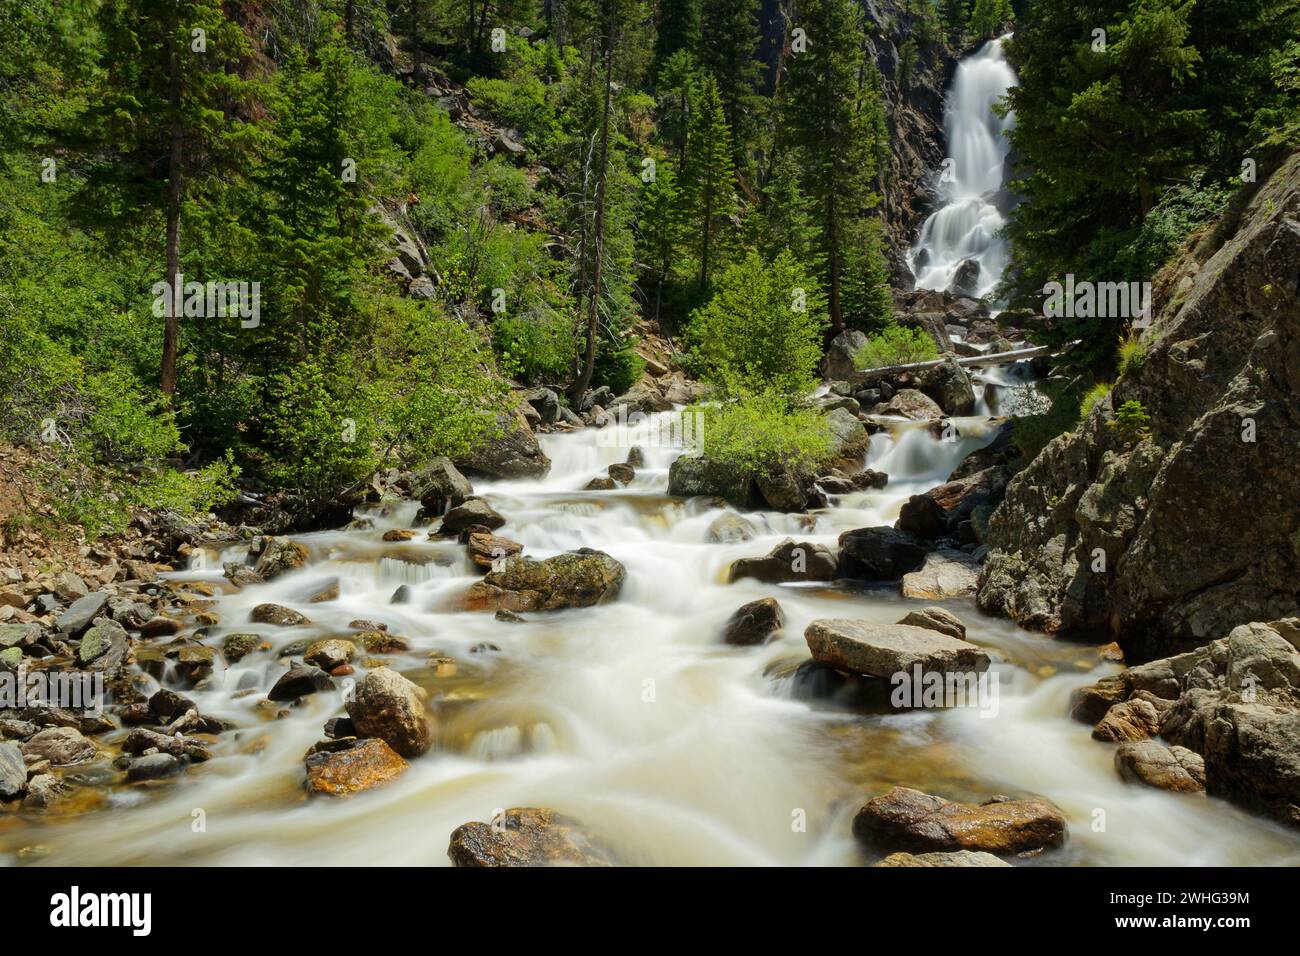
x=728 y=47
x=678 y=31
x=988 y=17
x=663 y=232
x=710 y=179
x=830 y=115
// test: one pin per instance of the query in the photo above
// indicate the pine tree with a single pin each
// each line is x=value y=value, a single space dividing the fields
x=829 y=114
x=678 y=31
x=161 y=121
x=988 y=17
x=678 y=89
x=710 y=179
x=662 y=228
x=728 y=47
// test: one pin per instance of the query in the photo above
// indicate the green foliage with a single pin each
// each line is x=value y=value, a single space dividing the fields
x=708 y=191
x=535 y=347
x=896 y=345
x=728 y=46
x=762 y=434
x=1131 y=422
x=1091 y=397
x=1132 y=352
x=988 y=17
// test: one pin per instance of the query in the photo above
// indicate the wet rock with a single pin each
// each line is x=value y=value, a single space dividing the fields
x=636 y=456
x=401 y=595
x=600 y=483
x=153 y=767
x=526 y=837
x=42 y=791
x=438 y=486
x=512 y=453
x=729 y=528
x=913 y=404
x=940 y=510
x=693 y=475
x=300 y=680
x=1135 y=719
x=13 y=771
x=365 y=765
x=754 y=623
x=879 y=554
x=837 y=363
x=240 y=575
x=937 y=619
x=278 y=555
x=623 y=473
x=103 y=647
x=947 y=573
x=489 y=550
x=130 y=614
x=142 y=740
x=385 y=704
x=950 y=387
x=166 y=705
x=962 y=858
x=475 y=511
x=849 y=438
x=965 y=278
x=74 y=621
x=883 y=650
x=1166 y=768
x=1090 y=703
x=160 y=626
x=277 y=614
x=238 y=646
x=61 y=746
x=330 y=592
x=381 y=642
x=580 y=578
x=784 y=490
x=789 y=561
x=398 y=534
x=916 y=822
x=330 y=653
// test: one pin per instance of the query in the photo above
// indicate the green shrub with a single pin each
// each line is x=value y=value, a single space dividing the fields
x=1131 y=422
x=1091 y=397
x=1132 y=352
x=537 y=346
x=761 y=433
x=896 y=345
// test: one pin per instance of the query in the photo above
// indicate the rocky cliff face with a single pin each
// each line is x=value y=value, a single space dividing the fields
x=1168 y=542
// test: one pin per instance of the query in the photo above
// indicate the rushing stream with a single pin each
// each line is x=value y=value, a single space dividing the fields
x=633 y=716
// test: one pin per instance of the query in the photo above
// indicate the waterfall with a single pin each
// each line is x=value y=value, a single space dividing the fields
x=967 y=224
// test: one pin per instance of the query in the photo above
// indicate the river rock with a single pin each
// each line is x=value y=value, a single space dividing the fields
x=600 y=483
x=692 y=475
x=947 y=573
x=526 y=837
x=754 y=623
x=153 y=767
x=965 y=278
x=916 y=822
x=13 y=771
x=962 y=858
x=61 y=746
x=644 y=397
x=580 y=578
x=74 y=621
x=1197 y=524
x=883 y=650
x=512 y=453
x=475 y=511
x=1166 y=768
x=879 y=554
x=365 y=765
x=330 y=653
x=279 y=555
x=937 y=619
x=439 y=485
x=277 y=614
x=940 y=510
x=103 y=647
x=913 y=404
x=622 y=473
x=848 y=436
x=838 y=361
x=950 y=386
x=788 y=562
x=300 y=680
x=1134 y=719
x=730 y=528
x=488 y=550
x=236 y=647
x=386 y=705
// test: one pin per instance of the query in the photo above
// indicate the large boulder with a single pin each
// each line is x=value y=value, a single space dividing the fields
x=526 y=837
x=849 y=438
x=275 y=556
x=883 y=650
x=916 y=822
x=950 y=387
x=788 y=562
x=580 y=578
x=913 y=404
x=1197 y=522
x=439 y=485
x=939 y=511
x=754 y=623
x=879 y=554
x=947 y=573
x=364 y=765
x=644 y=397
x=511 y=452
x=475 y=511
x=386 y=705
x=693 y=475
x=1165 y=768
x=837 y=363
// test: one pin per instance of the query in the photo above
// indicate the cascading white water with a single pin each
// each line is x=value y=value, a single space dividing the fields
x=632 y=716
x=967 y=223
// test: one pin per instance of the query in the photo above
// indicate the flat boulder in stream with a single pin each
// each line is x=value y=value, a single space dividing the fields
x=475 y=511
x=883 y=650
x=526 y=837
x=879 y=554
x=364 y=765
x=789 y=562
x=947 y=573
x=580 y=578
x=914 y=822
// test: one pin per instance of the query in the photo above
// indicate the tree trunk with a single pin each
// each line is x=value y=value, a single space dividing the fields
x=171 y=328
x=598 y=244
x=833 y=239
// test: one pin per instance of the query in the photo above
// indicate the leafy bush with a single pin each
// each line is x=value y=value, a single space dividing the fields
x=537 y=346
x=896 y=345
x=762 y=434
x=762 y=331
